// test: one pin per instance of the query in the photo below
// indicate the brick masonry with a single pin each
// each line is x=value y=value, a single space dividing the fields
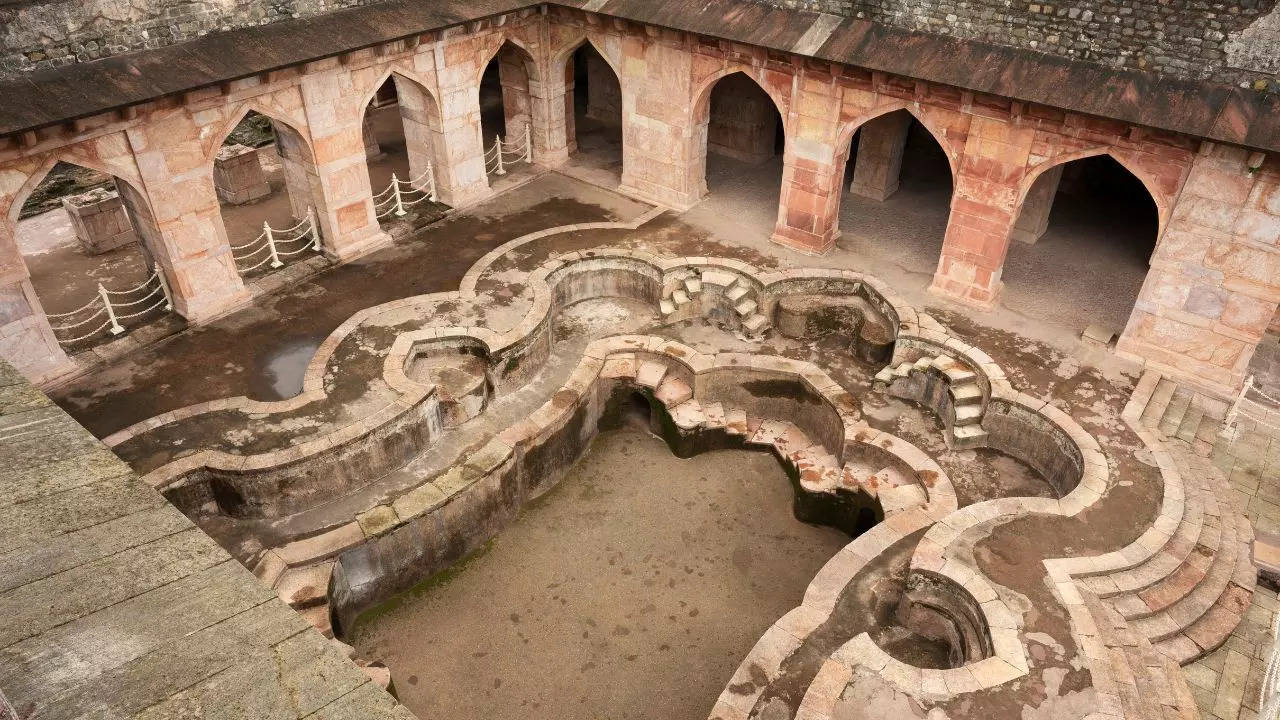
x=1230 y=42
x=1213 y=289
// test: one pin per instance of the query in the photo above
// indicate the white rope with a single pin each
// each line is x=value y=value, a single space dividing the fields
x=87 y=335
x=290 y=253
x=86 y=321
x=248 y=255
x=1257 y=387
x=139 y=301
x=259 y=264
x=301 y=222
x=140 y=312
x=261 y=236
x=85 y=306
x=133 y=289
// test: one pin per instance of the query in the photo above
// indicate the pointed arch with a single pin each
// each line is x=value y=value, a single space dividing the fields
x=701 y=108
x=849 y=128
x=1161 y=200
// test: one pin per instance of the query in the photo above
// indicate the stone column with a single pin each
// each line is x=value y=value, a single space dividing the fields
x=1214 y=282
x=26 y=340
x=879 y=161
x=551 y=111
x=461 y=177
x=983 y=212
x=663 y=149
x=348 y=223
x=813 y=170
x=517 y=103
x=100 y=220
x=237 y=175
x=743 y=122
x=301 y=181
x=1033 y=220
x=178 y=218
x=420 y=118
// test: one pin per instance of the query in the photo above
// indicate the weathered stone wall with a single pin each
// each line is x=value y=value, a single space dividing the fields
x=1236 y=42
x=37 y=34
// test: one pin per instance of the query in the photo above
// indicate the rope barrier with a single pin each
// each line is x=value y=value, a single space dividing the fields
x=270 y=238
x=496 y=157
x=106 y=306
x=400 y=194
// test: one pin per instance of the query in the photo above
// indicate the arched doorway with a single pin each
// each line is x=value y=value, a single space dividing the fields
x=1081 y=246
x=896 y=198
x=89 y=240
x=402 y=137
x=506 y=108
x=265 y=177
x=742 y=141
x=593 y=116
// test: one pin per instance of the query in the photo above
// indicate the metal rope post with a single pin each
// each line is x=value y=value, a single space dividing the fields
x=431 y=177
x=497 y=144
x=116 y=329
x=315 y=235
x=528 y=146
x=395 y=185
x=1235 y=407
x=271 y=245
x=164 y=287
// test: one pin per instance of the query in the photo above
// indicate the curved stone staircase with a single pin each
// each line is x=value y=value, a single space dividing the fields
x=927 y=378
x=1188 y=596
x=735 y=288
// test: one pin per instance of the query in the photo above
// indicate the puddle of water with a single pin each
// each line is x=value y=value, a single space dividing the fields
x=284 y=369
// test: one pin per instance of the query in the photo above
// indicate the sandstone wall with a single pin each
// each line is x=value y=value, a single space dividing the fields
x=1236 y=42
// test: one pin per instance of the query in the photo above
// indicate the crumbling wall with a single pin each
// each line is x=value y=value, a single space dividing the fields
x=1236 y=42
x=37 y=34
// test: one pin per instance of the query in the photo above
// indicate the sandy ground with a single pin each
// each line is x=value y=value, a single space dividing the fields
x=631 y=590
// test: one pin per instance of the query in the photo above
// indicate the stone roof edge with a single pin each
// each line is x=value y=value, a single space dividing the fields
x=1201 y=109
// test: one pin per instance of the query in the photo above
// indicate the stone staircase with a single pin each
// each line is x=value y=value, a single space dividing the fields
x=818 y=470
x=1189 y=596
x=1178 y=413
x=735 y=288
x=947 y=386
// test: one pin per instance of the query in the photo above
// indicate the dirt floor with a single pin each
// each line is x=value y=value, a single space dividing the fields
x=631 y=590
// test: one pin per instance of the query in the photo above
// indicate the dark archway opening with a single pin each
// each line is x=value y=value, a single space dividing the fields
x=594 y=119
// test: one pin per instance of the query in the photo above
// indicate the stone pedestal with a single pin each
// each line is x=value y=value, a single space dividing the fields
x=1034 y=218
x=100 y=220
x=879 y=161
x=237 y=175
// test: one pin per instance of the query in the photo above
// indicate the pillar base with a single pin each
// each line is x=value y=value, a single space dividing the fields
x=464 y=197
x=974 y=296
x=879 y=194
x=1026 y=237
x=209 y=311
x=804 y=242
x=358 y=249
x=670 y=201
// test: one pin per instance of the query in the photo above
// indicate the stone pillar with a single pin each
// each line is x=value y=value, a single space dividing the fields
x=237 y=175
x=1033 y=220
x=663 y=147
x=27 y=341
x=420 y=118
x=813 y=170
x=100 y=220
x=554 y=133
x=372 y=151
x=178 y=218
x=1214 y=282
x=301 y=182
x=983 y=212
x=347 y=220
x=743 y=122
x=879 y=161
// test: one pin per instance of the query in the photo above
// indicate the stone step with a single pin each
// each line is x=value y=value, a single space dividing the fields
x=968 y=414
x=673 y=391
x=755 y=324
x=967 y=394
x=745 y=308
x=650 y=374
x=305 y=587
x=965 y=437
x=688 y=415
x=736 y=292
x=692 y=285
x=680 y=297
x=885 y=375
x=718 y=278
x=735 y=421
x=1190 y=425
x=1211 y=630
x=666 y=307
x=1159 y=402
x=715 y=415
x=1189 y=593
x=1171 y=420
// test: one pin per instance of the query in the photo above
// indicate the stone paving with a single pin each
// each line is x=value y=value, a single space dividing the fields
x=1226 y=682
x=115 y=605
